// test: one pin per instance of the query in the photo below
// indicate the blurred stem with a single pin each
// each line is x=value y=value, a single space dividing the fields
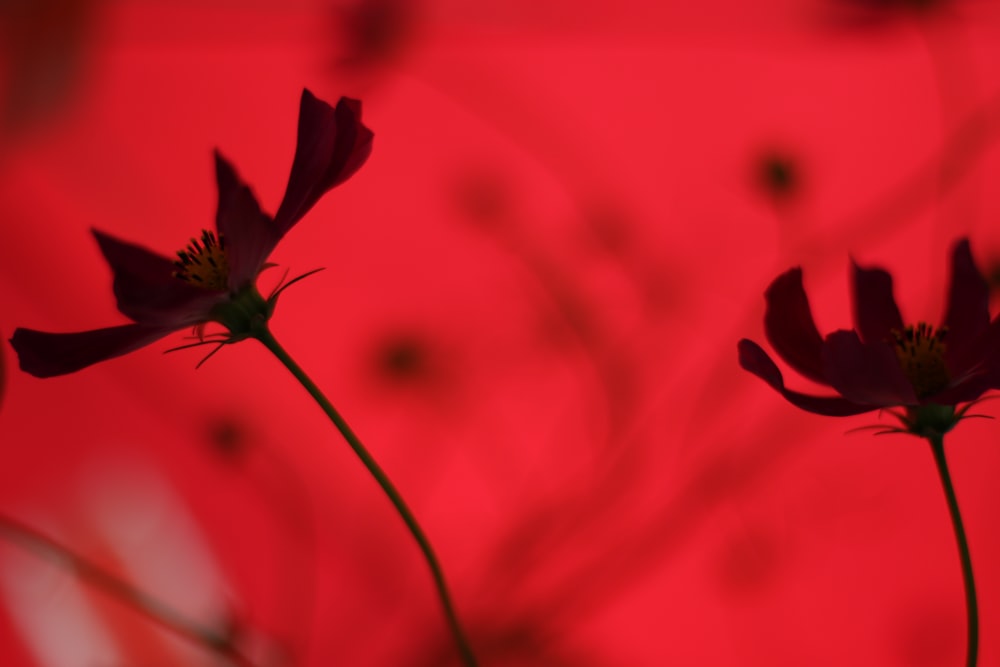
x=146 y=605
x=263 y=334
x=972 y=609
x=955 y=83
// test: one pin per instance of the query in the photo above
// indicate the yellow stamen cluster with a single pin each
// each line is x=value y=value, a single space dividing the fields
x=204 y=263
x=920 y=351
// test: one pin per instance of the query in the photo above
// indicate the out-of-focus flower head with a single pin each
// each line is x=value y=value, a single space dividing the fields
x=778 y=176
x=882 y=363
x=214 y=278
x=46 y=48
x=3 y=375
x=374 y=33
x=876 y=13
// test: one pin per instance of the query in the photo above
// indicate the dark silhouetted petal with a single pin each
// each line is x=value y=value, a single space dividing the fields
x=866 y=373
x=332 y=144
x=756 y=361
x=967 y=315
x=875 y=309
x=146 y=289
x=3 y=375
x=968 y=389
x=249 y=233
x=45 y=354
x=983 y=370
x=789 y=325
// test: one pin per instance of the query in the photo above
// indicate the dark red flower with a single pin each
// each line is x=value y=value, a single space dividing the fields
x=881 y=13
x=213 y=279
x=883 y=363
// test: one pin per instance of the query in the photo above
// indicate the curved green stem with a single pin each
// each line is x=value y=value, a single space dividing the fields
x=972 y=609
x=263 y=334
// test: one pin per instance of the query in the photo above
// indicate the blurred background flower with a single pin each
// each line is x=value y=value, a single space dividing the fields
x=532 y=295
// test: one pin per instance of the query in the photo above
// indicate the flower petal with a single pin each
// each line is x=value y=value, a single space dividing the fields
x=875 y=309
x=980 y=375
x=866 y=373
x=249 y=233
x=967 y=315
x=146 y=289
x=967 y=390
x=332 y=144
x=45 y=354
x=755 y=360
x=790 y=328
x=991 y=364
x=3 y=375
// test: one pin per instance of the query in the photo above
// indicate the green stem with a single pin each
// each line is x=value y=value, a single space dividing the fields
x=937 y=447
x=152 y=609
x=263 y=334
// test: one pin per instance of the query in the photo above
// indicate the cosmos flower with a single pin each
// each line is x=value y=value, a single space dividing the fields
x=875 y=13
x=46 y=47
x=883 y=363
x=373 y=33
x=214 y=278
x=891 y=5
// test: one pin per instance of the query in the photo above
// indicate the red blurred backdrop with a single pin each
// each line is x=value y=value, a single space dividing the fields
x=532 y=297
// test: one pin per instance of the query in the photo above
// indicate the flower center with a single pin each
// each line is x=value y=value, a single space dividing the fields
x=204 y=263
x=920 y=351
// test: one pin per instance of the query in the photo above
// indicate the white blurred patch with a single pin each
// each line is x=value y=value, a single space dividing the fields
x=132 y=520
x=158 y=544
x=57 y=621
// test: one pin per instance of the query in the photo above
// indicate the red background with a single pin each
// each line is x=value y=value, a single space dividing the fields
x=532 y=297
